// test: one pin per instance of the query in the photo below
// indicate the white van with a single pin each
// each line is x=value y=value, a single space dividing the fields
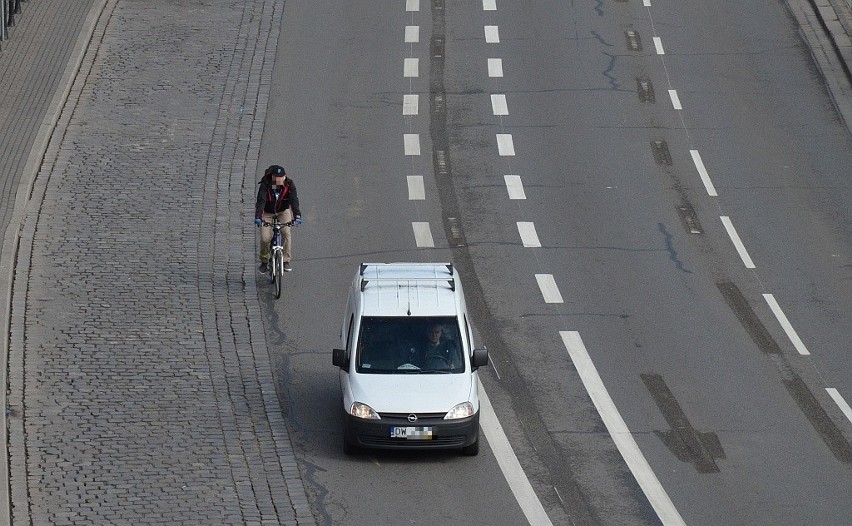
x=407 y=363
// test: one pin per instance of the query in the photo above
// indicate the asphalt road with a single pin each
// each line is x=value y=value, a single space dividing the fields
x=735 y=422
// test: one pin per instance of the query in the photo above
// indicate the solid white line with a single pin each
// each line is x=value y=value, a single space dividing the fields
x=495 y=67
x=675 y=99
x=658 y=43
x=412 y=34
x=841 y=403
x=786 y=325
x=412 y=143
x=492 y=35
x=702 y=171
x=548 y=288
x=411 y=67
x=515 y=187
x=619 y=432
x=423 y=234
x=412 y=5
x=489 y=5
x=416 y=191
x=529 y=237
x=505 y=145
x=410 y=104
x=738 y=243
x=498 y=105
x=508 y=462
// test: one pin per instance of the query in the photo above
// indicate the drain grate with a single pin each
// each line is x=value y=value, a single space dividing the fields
x=634 y=41
x=662 y=156
x=645 y=88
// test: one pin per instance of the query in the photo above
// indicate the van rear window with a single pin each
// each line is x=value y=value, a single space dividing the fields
x=390 y=345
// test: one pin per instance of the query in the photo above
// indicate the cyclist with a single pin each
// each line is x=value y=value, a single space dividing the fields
x=276 y=197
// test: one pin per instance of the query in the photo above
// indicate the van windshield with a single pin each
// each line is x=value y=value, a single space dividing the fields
x=409 y=346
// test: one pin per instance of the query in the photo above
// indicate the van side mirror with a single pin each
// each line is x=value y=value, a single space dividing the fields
x=479 y=358
x=339 y=358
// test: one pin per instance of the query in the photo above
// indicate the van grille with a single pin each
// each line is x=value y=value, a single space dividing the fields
x=420 y=416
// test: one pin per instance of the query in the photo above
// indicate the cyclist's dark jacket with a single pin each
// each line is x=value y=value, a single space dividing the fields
x=266 y=201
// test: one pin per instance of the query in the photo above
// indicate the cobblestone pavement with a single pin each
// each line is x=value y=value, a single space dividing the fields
x=140 y=387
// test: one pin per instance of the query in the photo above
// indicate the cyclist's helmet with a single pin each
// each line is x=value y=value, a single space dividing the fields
x=275 y=171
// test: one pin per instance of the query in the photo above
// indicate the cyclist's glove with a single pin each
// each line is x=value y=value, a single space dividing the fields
x=298 y=220
x=258 y=221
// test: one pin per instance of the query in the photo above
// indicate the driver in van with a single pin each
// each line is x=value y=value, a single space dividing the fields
x=437 y=351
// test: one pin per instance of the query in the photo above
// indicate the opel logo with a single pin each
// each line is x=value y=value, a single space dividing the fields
x=412 y=418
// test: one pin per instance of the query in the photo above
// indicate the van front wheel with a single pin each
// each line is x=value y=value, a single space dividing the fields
x=471 y=450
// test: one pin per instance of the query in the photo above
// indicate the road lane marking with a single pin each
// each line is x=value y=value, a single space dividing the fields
x=423 y=234
x=492 y=35
x=619 y=432
x=489 y=5
x=412 y=5
x=416 y=190
x=529 y=237
x=412 y=34
x=410 y=104
x=548 y=288
x=646 y=3
x=658 y=44
x=499 y=105
x=675 y=99
x=505 y=145
x=508 y=462
x=702 y=172
x=515 y=187
x=841 y=403
x=738 y=243
x=786 y=325
x=495 y=67
x=412 y=143
x=411 y=67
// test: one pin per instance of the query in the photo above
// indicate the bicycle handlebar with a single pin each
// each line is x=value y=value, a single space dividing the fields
x=288 y=223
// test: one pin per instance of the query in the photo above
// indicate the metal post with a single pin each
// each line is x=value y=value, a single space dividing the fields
x=3 y=21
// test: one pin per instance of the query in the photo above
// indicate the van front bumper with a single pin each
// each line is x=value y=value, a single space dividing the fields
x=427 y=432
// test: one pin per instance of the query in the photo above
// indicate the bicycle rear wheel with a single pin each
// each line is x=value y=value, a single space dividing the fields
x=278 y=272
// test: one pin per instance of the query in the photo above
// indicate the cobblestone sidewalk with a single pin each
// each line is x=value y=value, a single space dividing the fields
x=140 y=384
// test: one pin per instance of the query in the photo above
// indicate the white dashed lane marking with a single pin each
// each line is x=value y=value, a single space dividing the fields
x=412 y=5
x=841 y=403
x=495 y=67
x=738 y=243
x=548 y=288
x=515 y=187
x=499 y=105
x=489 y=5
x=658 y=44
x=416 y=190
x=410 y=104
x=702 y=172
x=492 y=35
x=411 y=67
x=423 y=234
x=412 y=143
x=412 y=34
x=529 y=237
x=786 y=325
x=505 y=145
x=675 y=99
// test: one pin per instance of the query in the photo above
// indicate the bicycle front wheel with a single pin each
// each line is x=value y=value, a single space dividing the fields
x=278 y=273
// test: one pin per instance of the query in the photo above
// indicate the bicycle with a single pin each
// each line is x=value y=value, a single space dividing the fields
x=276 y=256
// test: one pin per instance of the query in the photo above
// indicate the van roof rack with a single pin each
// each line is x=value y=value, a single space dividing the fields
x=451 y=280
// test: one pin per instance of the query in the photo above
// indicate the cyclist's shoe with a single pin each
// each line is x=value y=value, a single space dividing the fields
x=287 y=266
x=263 y=267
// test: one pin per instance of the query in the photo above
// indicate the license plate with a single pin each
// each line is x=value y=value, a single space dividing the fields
x=411 y=433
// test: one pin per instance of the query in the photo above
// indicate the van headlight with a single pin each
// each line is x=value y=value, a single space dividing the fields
x=462 y=410
x=359 y=410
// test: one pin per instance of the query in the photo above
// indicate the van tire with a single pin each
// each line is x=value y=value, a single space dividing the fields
x=349 y=449
x=471 y=450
